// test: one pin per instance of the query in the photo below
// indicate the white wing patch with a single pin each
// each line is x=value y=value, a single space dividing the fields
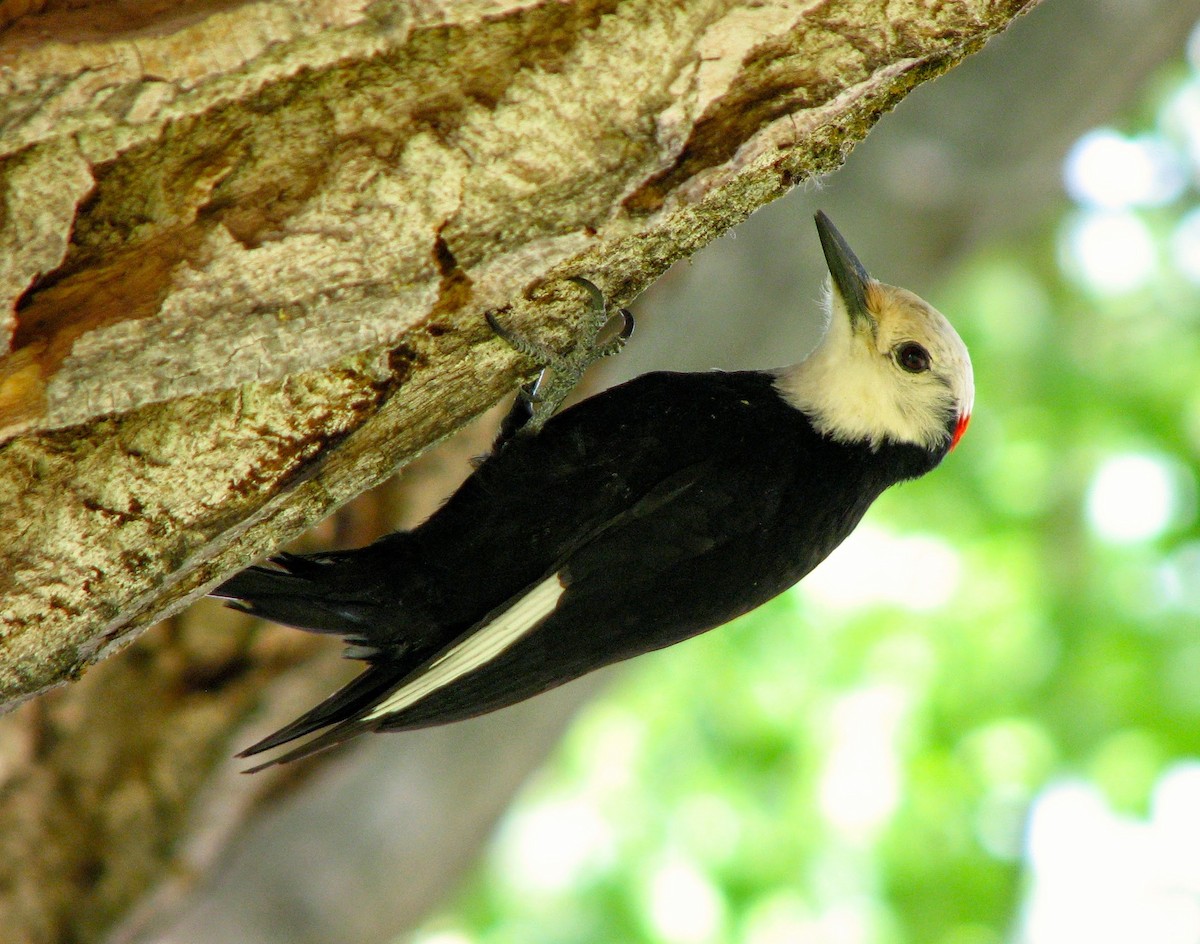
x=478 y=649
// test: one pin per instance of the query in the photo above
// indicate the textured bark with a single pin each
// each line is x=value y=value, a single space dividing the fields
x=244 y=256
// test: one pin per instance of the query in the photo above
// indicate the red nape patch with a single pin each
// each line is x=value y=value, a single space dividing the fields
x=961 y=428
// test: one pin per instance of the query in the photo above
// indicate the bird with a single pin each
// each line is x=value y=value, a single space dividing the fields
x=642 y=516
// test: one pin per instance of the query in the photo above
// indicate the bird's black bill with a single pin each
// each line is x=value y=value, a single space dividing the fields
x=850 y=277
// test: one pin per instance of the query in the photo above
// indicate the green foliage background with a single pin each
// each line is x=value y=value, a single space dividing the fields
x=709 y=775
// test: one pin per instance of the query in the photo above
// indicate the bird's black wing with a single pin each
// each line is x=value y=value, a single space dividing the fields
x=532 y=504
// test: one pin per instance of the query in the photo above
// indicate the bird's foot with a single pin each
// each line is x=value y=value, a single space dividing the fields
x=539 y=401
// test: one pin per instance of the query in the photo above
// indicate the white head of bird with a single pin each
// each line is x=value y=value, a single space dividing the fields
x=889 y=367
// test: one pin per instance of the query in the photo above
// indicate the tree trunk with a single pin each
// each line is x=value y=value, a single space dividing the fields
x=246 y=257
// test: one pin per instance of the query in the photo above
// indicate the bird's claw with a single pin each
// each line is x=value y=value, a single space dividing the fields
x=538 y=401
x=517 y=343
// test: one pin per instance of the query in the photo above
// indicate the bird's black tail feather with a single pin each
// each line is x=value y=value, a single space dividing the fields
x=322 y=742
x=298 y=592
x=337 y=712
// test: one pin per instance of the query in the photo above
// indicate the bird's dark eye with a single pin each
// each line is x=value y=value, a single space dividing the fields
x=912 y=357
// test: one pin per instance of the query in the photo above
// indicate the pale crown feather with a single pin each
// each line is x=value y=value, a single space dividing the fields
x=853 y=389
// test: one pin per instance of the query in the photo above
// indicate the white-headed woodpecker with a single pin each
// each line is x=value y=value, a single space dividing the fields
x=647 y=514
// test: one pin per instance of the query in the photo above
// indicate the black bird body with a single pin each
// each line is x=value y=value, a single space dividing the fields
x=643 y=516
x=665 y=537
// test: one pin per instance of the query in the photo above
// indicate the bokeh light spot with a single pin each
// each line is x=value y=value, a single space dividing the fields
x=547 y=847
x=1102 y=878
x=684 y=906
x=1136 y=497
x=1107 y=170
x=1109 y=251
x=860 y=785
x=873 y=567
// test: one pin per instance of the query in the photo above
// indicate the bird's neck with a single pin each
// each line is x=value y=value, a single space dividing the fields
x=838 y=391
x=839 y=397
x=846 y=393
